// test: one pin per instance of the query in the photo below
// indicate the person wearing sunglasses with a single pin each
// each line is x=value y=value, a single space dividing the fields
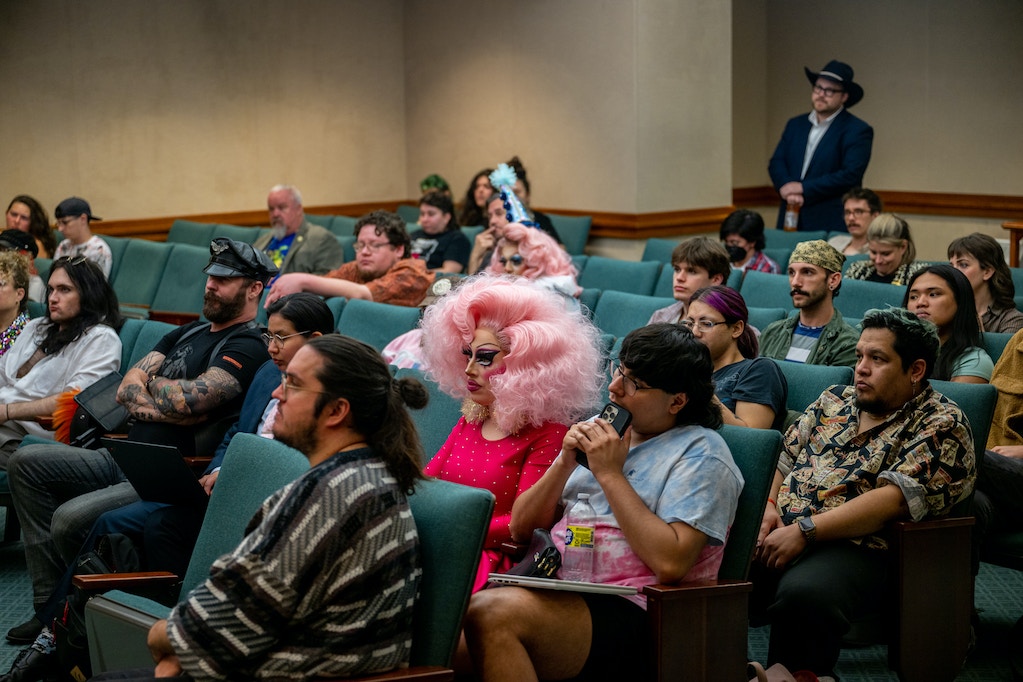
x=74 y=216
x=533 y=254
x=822 y=154
x=525 y=368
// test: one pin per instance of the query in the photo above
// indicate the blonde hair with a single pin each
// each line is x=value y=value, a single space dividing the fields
x=888 y=228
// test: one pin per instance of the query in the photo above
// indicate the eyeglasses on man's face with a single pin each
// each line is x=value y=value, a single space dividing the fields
x=285 y=387
x=629 y=385
x=372 y=246
x=827 y=92
x=858 y=212
x=277 y=339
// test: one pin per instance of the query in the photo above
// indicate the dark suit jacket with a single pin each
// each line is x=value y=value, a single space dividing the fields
x=267 y=378
x=838 y=165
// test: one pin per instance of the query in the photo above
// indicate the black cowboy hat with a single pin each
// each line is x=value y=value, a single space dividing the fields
x=840 y=73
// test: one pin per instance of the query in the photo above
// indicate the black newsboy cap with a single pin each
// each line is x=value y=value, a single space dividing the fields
x=231 y=258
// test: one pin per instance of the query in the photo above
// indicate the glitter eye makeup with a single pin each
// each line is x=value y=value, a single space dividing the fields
x=484 y=356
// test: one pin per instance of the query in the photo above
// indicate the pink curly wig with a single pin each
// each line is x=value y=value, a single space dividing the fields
x=553 y=367
x=542 y=255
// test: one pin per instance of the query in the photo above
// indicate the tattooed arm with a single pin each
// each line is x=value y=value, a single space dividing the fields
x=174 y=401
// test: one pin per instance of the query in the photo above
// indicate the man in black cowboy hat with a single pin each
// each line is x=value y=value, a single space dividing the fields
x=823 y=154
x=186 y=392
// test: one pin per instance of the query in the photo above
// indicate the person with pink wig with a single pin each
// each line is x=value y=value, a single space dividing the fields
x=750 y=390
x=531 y=253
x=526 y=369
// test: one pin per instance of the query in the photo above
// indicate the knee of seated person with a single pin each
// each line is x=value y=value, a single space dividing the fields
x=498 y=610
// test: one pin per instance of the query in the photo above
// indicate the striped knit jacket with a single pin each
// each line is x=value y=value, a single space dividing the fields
x=322 y=584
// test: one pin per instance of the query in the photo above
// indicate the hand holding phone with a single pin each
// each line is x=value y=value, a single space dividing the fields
x=618 y=417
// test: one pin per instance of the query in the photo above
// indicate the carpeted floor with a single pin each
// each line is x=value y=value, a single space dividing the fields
x=999 y=598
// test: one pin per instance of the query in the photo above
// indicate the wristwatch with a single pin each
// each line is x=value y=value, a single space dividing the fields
x=808 y=528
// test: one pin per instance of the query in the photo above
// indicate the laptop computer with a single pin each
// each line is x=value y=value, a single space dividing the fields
x=157 y=472
x=554 y=584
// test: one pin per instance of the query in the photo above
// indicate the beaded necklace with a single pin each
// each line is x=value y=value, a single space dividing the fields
x=8 y=335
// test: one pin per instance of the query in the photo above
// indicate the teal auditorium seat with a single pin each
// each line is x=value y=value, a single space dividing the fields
x=1017 y=280
x=182 y=284
x=699 y=632
x=323 y=221
x=343 y=226
x=348 y=245
x=336 y=304
x=588 y=301
x=188 y=232
x=435 y=421
x=781 y=239
x=451 y=519
x=779 y=255
x=117 y=247
x=665 y=285
x=470 y=231
x=410 y=214
x=634 y=277
x=579 y=261
x=764 y=290
x=43 y=266
x=659 y=249
x=36 y=309
x=761 y=317
x=858 y=296
x=618 y=312
x=735 y=278
x=376 y=323
x=994 y=343
x=145 y=340
x=574 y=231
x=240 y=233
x=807 y=382
x=849 y=260
x=139 y=273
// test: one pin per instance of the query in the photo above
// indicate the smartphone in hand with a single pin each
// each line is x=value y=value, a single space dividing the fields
x=619 y=418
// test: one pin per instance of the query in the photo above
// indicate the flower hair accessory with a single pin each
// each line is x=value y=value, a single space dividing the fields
x=504 y=178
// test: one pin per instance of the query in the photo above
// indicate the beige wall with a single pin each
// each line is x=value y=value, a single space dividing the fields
x=187 y=106
x=612 y=105
x=943 y=82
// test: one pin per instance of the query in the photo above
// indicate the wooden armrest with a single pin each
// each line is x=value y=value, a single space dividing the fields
x=429 y=673
x=198 y=464
x=98 y=582
x=699 y=630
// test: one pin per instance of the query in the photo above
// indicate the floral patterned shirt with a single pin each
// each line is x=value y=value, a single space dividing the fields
x=925 y=448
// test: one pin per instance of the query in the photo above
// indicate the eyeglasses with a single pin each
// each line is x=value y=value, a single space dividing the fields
x=628 y=383
x=827 y=92
x=703 y=324
x=71 y=260
x=858 y=212
x=516 y=260
x=374 y=247
x=277 y=339
x=285 y=387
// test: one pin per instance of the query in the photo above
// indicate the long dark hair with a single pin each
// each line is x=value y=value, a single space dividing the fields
x=965 y=332
x=353 y=370
x=38 y=222
x=471 y=214
x=97 y=303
